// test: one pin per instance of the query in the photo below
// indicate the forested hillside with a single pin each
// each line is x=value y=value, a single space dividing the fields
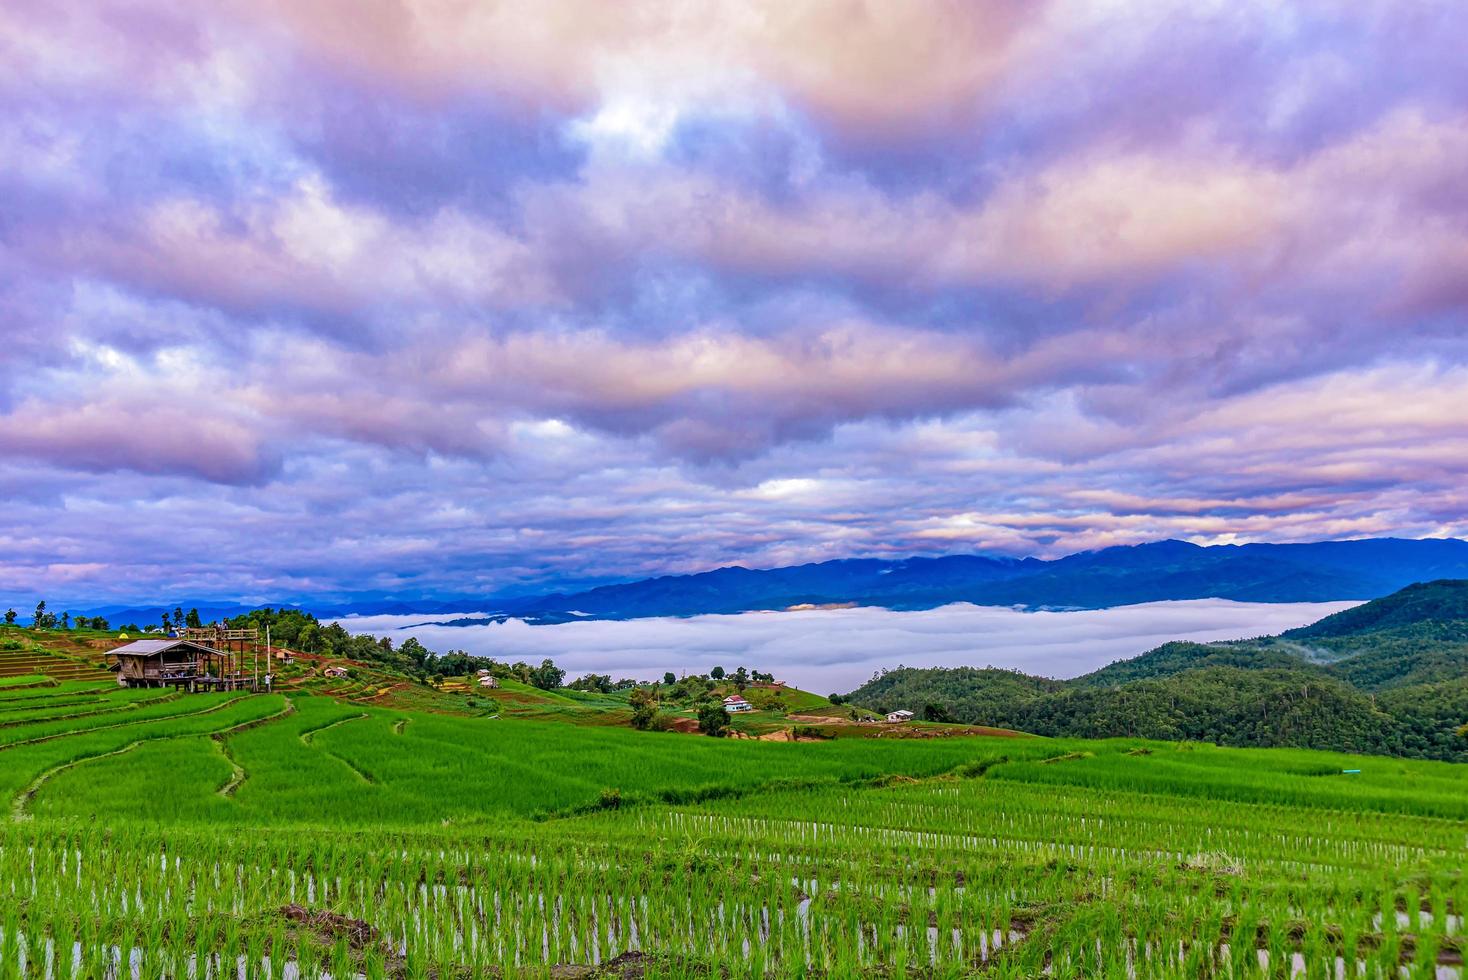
x=1443 y=602
x=1388 y=676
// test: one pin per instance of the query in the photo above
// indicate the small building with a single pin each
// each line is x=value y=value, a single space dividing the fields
x=158 y=663
x=734 y=704
x=335 y=672
x=488 y=680
x=899 y=716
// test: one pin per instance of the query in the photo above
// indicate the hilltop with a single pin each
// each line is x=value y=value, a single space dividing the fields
x=1389 y=676
x=1443 y=602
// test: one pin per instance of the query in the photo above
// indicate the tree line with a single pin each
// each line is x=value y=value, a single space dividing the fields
x=45 y=619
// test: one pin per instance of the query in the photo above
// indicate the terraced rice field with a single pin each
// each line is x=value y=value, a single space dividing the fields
x=265 y=835
x=27 y=661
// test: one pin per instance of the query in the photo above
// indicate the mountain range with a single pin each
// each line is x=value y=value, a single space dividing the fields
x=1123 y=575
x=1118 y=576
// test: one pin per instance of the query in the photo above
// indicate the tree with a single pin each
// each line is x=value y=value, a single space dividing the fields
x=933 y=711
x=308 y=639
x=741 y=678
x=99 y=623
x=644 y=701
x=836 y=699
x=713 y=719
x=717 y=673
x=167 y=624
x=10 y=617
x=547 y=676
x=597 y=683
x=42 y=618
x=670 y=678
x=192 y=620
x=65 y=620
x=178 y=616
x=416 y=652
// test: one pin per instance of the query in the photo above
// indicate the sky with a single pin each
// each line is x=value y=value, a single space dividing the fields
x=839 y=649
x=438 y=297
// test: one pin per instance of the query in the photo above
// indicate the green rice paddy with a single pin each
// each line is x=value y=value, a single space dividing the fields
x=151 y=834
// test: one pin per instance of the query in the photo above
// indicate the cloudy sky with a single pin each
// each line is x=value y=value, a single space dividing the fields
x=435 y=297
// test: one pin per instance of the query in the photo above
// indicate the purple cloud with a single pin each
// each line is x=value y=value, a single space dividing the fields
x=490 y=297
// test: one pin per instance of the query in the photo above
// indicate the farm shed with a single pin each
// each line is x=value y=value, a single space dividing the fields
x=898 y=716
x=155 y=663
x=335 y=672
x=488 y=680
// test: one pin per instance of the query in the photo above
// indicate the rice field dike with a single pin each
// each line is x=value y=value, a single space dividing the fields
x=312 y=833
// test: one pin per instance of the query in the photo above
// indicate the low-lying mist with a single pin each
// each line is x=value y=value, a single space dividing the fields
x=837 y=649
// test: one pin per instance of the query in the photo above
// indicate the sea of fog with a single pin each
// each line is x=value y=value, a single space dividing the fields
x=838 y=649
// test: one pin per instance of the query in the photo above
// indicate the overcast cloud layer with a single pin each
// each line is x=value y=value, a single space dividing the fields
x=838 y=649
x=440 y=297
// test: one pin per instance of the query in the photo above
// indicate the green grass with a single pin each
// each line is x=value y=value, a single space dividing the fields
x=25 y=680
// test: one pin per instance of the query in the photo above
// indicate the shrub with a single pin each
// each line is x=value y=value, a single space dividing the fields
x=713 y=719
x=644 y=701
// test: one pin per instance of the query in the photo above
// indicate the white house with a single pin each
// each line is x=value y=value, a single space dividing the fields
x=734 y=703
x=900 y=715
x=488 y=680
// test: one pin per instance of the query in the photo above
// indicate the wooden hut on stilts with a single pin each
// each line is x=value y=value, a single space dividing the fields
x=201 y=659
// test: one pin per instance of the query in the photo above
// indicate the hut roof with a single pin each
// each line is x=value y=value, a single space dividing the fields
x=149 y=648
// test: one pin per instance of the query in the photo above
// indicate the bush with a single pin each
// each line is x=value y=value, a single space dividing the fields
x=611 y=799
x=713 y=719
x=644 y=703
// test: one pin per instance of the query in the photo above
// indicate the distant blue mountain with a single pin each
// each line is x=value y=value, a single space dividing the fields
x=1123 y=575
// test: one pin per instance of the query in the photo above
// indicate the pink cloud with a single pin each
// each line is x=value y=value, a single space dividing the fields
x=869 y=64
x=164 y=431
